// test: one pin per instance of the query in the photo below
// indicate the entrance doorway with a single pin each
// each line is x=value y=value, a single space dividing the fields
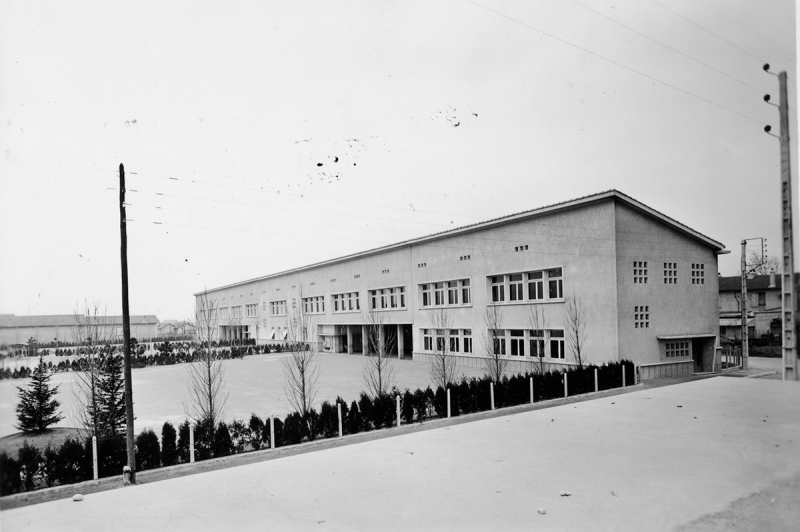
x=697 y=354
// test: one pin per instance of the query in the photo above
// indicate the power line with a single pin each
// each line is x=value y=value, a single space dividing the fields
x=684 y=91
x=708 y=31
x=670 y=48
x=303 y=196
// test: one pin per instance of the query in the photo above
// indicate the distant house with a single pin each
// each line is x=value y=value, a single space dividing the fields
x=65 y=327
x=169 y=328
x=763 y=306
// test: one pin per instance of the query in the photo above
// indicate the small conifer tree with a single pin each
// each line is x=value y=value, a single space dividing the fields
x=38 y=408
x=111 y=398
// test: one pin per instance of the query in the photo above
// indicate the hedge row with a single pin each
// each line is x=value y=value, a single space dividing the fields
x=72 y=462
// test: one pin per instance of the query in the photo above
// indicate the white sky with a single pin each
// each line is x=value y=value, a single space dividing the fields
x=440 y=114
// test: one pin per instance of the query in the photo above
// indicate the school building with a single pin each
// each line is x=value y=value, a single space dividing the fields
x=647 y=286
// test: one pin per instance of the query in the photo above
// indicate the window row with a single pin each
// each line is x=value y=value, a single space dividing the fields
x=387 y=298
x=314 y=305
x=670 y=272
x=347 y=302
x=529 y=286
x=536 y=343
x=278 y=308
x=447 y=341
x=446 y=293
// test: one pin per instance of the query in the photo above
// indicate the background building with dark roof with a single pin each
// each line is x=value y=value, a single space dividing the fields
x=65 y=327
x=763 y=306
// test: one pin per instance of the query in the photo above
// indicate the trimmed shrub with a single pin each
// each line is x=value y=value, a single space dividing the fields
x=440 y=402
x=354 y=421
x=256 y=427
x=223 y=443
x=204 y=440
x=365 y=408
x=72 y=463
x=49 y=466
x=407 y=407
x=29 y=458
x=10 y=481
x=293 y=429
x=169 y=446
x=240 y=435
x=183 y=441
x=311 y=425
x=112 y=455
x=148 y=450
x=328 y=420
x=420 y=405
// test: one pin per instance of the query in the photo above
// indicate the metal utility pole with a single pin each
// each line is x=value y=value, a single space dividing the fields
x=788 y=300
x=743 y=306
x=126 y=328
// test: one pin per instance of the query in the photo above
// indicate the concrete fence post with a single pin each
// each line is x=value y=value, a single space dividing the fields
x=448 y=402
x=271 y=432
x=531 y=390
x=191 y=443
x=397 y=400
x=623 y=375
x=94 y=457
x=595 y=380
x=565 y=384
x=491 y=394
x=339 y=408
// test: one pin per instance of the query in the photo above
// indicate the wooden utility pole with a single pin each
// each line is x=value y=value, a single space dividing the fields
x=745 y=343
x=126 y=328
x=789 y=299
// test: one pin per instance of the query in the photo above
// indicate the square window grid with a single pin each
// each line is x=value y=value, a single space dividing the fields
x=639 y=272
x=670 y=273
x=641 y=317
x=677 y=349
x=698 y=273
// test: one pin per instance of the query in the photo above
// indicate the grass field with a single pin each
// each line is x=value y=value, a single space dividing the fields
x=254 y=384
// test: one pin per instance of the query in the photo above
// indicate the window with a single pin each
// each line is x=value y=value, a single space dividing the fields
x=515 y=287
x=427 y=340
x=441 y=340
x=641 y=317
x=224 y=312
x=639 y=272
x=387 y=298
x=314 y=305
x=677 y=349
x=535 y=286
x=357 y=276
x=237 y=311
x=762 y=299
x=521 y=248
x=347 y=302
x=454 y=341
x=670 y=273
x=517 y=343
x=499 y=340
x=537 y=343
x=422 y=265
x=698 y=273
x=498 y=289
x=464 y=257
x=426 y=295
x=251 y=310
x=278 y=308
x=467 y=334
x=446 y=293
x=452 y=292
x=438 y=294
x=555 y=283
x=556 y=344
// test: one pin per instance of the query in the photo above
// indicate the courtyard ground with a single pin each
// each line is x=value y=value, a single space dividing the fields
x=653 y=459
x=254 y=384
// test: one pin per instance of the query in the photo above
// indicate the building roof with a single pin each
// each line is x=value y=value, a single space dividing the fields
x=609 y=195
x=9 y=321
x=757 y=282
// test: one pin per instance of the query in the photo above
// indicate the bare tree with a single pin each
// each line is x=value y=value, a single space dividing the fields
x=301 y=366
x=378 y=367
x=494 y=344
x=443 y=363
x=762 y=264
x=206 y=372
x=536 y=322
x=576 y=328
x=94 y=336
